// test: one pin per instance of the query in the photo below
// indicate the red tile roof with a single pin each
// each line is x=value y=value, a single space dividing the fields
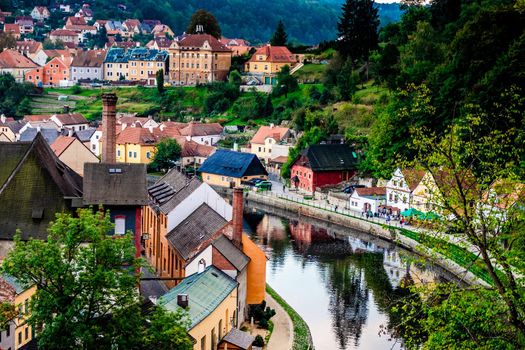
x=197 y=41
x=30 y=46
x=371 y=191
x=12 y=28
x=77 y=20
x=63 y=32
x=91 y=58
x=276 y=132
x=139 y=136
x=61 y=144
x=201 y=129
x=71 y=118
x=194 y=149
x=274 y=54
x=36 y=117
x=14 y=59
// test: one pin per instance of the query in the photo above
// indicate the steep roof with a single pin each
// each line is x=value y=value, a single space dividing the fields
x=233 y=254
x=36 y=117
x=205 y=290
x=194 y=232
x=201 y=129
x=196 y=41
x=37 y=184
x=85 y=135
x=136 y=135
x=194 y=149
x=170 y=190
x=71 y=118
x=30 y=46
x=14 y=59
x=240 y=339
x=115 y=184
x=12 y=28
x=233 y=164
x=327 y=157
x=81 y=21
x=14 y=125
x=63 y=32
x=50 y=135
x=61 y=144
x=274 y=54
x=276 y=132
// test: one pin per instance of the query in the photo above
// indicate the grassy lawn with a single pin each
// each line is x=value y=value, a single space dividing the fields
x=311 y=73
x=301 y=339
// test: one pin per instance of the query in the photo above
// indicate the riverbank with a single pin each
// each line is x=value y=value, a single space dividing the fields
x=301 y=338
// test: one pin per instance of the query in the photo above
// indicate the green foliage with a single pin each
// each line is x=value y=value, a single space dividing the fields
x=279 y=38
x=347 y=81
x=167 y=152
x=7 y=41
x=49 y=44
x=159 y=77
x=167 y=330
x=259 y=341
x=208 y=22
x=13 y=96
x=286 y=83
x=235 y=78
x=7 y=313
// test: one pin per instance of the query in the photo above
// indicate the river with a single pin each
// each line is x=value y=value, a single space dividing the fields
x=342 y=282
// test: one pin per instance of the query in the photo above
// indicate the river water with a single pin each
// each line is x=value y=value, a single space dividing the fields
x=342 y=282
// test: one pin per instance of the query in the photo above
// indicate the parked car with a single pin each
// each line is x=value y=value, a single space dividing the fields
x=253 y=182
x=351 y=188
x=264 y=185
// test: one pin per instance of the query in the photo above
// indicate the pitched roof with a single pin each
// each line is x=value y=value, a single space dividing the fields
x=14 y=59
x=233 y=254
x=77 y=20
x=239 y=338
x=85 y=135
x=136 y=135
x=195 y=232
x=234 y=42
x=30 y=46
x=201 y=129
x=194 y=149
x=371 y=191
x=63 y=32
x=119 y=55
x=327 y=157
x=276 y=132
x=61 y=144
x=115 y=184
x=71 y=118
x=49 y=134
x=413 y=177
x=12 y=28
x=36 y=117
x=171 y=189
x=196 y=41
x=35 y=179
x=274 y=54
x=233 y=164
x=91 y=58
x=14 y=125
x=205 y=290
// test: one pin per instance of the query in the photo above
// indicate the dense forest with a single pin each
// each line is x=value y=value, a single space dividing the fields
x=307 y=22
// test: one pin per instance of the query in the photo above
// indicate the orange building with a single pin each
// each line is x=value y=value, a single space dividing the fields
x=54 y=73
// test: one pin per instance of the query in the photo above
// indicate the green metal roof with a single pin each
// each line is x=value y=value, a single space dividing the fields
x=13 y=282
x=205 y=290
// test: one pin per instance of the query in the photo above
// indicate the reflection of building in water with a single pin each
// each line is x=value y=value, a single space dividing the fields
x=271 y=228
x=304 y=234
x=394 y=266
x=424 y=275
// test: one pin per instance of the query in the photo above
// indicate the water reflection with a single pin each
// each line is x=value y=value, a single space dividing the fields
x=343 y=283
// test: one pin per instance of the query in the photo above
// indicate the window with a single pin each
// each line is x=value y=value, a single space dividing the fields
x=130 y=154
x=203 y=343
x=19 y=338
x=120 y=224
x=148 y=155
x=220 y=329
x=26 y=335
x=134 y=154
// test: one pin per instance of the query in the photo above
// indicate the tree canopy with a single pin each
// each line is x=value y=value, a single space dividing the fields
x=207 y=20
x=167 y=153
x=279 y=38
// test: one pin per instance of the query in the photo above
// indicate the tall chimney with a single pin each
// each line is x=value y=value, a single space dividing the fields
x=238 y=209
x=109 y=121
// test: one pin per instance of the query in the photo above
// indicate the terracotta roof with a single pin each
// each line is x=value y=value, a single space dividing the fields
x=30 y=46
x=197 y=41
x=134 y=135
x=62 y=32
x=12 y=28
x=41 y=9
x=61 y=144
x=57 y=53
x=280 y=159
x=194 y=149
x=14 y=59
x=132 y=120
x=77 y=20
x=201 y=129
x=274 y=54
x=413 y=177
x=80 y=27
x=91 y=58
x=71 y=118
x=371 y=191
x=36 y=117
x=131 y=23
x=276 y=132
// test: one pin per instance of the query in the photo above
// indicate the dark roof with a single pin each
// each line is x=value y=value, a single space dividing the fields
x=29 y=134
x=233 y=254
x=239 y=338
x=85 y=135
x=171 y=189
x=327 y=157
x=119 y=55
x=195 y=231
x=115 y=184
x=34 y=186
x=233 y=164
x=91 y=58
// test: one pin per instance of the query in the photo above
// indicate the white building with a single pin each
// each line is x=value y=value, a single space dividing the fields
x=40 y=13
x=203 y=133
x=70 y=121
x=400 y=187
x=368 y=199
x=87 y=65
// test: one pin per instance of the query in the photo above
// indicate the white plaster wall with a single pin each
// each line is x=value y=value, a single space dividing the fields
x=193 y=266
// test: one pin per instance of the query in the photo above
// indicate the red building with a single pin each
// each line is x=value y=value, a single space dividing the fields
x=321 y=165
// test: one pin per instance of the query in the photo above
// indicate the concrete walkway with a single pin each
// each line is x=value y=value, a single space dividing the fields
x=282 y=335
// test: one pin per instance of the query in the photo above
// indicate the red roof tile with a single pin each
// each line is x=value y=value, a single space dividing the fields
x=276 y=132
x=71 y=118
x=30 y=46
x=12 y=28
x=134 y=135
x=371 y=191
x=197 y=41
x=201 y=129
x=14 y=59
x=61 y=144
x=274 y=54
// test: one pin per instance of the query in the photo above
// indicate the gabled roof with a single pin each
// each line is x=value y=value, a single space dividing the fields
x=201 y=129
x=233 y=164
x=119 y=55
x=30 y=46
x=85 y=135
x=91 y=58
x=14 y=125
x=274 y=54
x=240 y=339
x=206 y=291
x=194 y=149
x=12 y=28
x=61 y=144
x=195 y=232
x=136 y=135
x=77 y=20
x=36 y=183
x=371 y=191
x=233 y=254
x=71 y=118
x=36 y=117
x=63 y=32
x=115 y=184
x=276 y=132
x=196 y=41
x=328 y=157
x=171 y=189
x=49 y=134
x=14 y=59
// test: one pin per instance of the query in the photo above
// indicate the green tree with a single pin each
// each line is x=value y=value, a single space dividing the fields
x=7 y=313
x=14 y=99
x=357 y=30
x=235 y=78
x=49 y=44
x=279 y=38
x=347 y=81
x=167 y=330
x=159 y=77
x=286 y=83
x=167 y=153
x=209 y=23
x=7 y=41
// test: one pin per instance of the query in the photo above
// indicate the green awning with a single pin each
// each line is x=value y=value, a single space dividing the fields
x=429 y=216
x=411 y=212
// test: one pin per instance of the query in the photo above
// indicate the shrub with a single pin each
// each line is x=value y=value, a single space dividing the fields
x=259 y=341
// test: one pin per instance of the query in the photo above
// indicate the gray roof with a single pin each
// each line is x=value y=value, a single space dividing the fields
x=239 y=338
x=115 y=184
x=85 y=135
x=171 y=189
x=50 y=135
x=233 y=164
x=195 y=231
x=13 y=282
x=233 y=254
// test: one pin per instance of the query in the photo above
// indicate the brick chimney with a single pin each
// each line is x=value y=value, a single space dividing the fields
x=109 y=121
x=238 y=210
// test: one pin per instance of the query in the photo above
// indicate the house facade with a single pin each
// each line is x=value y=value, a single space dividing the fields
x=40 y=13
x=55 y=73
x=88 y=65
x=138 y=64
x=202 y=133
x=270 y=142
x=324 y=164
x=368 y=199
x=399 y=189
x=73 y=153
x=198 y=58
x=268 y=60
x=14 y=63
x=64 y=35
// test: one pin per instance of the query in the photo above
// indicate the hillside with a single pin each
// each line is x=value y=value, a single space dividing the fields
x=306 y=21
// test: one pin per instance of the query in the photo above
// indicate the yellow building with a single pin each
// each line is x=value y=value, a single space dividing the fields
x=426 y=197
x=210 y=297
x=136 y=145
x=19 y=332
x=138 y=64
x=269 y=60
x=270 y=142
x=227 y=168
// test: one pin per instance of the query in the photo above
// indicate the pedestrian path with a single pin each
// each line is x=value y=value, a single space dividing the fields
x=282 y=335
